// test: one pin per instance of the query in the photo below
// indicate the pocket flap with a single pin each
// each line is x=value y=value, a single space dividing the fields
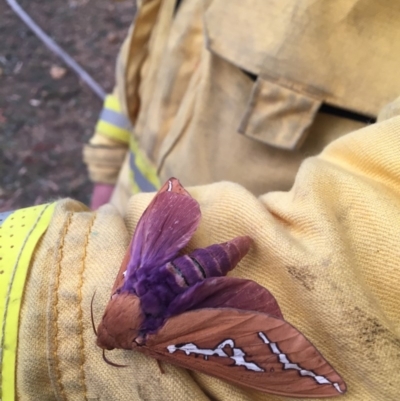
x=278 y=116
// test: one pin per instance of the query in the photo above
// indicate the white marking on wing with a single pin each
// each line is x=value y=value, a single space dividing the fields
x=274 y=348
x=336 y=385
x=191 y=348
x=169 y=186
x=238 y=355
x=287 y=364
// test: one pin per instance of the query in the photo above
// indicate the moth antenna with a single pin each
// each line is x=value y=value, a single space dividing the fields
x=160 y=366
x=91 y=314
x=112 y=363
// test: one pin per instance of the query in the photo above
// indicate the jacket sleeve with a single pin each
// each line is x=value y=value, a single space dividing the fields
x=328 y=250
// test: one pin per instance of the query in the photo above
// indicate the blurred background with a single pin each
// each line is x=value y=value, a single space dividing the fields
x=46 y=113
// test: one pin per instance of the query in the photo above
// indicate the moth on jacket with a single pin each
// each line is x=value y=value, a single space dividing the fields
x=183 y=310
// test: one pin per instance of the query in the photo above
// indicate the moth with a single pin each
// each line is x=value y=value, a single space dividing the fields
x=183 y=309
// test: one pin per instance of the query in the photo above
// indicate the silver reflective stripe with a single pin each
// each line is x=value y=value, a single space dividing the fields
x=115 y=118
x=141 y=181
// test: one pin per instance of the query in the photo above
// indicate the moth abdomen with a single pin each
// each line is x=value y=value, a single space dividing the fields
x=159 y=288
x=185 y=271
x=213 y=261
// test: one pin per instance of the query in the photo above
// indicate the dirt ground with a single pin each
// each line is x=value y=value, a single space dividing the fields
x=45 y=119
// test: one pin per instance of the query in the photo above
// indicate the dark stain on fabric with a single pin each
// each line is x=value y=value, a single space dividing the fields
x=371 y=331
x=153 y=392
x=303 y=275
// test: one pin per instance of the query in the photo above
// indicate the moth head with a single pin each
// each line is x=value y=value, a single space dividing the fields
x=121 y=322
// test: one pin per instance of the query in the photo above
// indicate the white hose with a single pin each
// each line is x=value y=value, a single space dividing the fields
x=53 y=46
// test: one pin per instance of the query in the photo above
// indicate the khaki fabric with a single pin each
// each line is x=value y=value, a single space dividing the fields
x=233 y=93
x=390 y=110
x=122 y=192
x=104 y=158
x=328 y=250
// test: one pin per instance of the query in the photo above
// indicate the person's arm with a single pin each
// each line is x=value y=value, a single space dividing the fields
x=328 y=250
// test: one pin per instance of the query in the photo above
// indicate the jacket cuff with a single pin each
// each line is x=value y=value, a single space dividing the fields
x=20 y=232
x=103 y=162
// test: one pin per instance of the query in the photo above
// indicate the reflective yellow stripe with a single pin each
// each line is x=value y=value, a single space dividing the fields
x=112 y=122
x=112 y=131
x=112 y=103
x=19 y=235
x=143 y=167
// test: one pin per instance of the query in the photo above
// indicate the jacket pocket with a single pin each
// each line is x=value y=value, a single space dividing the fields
x=278 y=116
